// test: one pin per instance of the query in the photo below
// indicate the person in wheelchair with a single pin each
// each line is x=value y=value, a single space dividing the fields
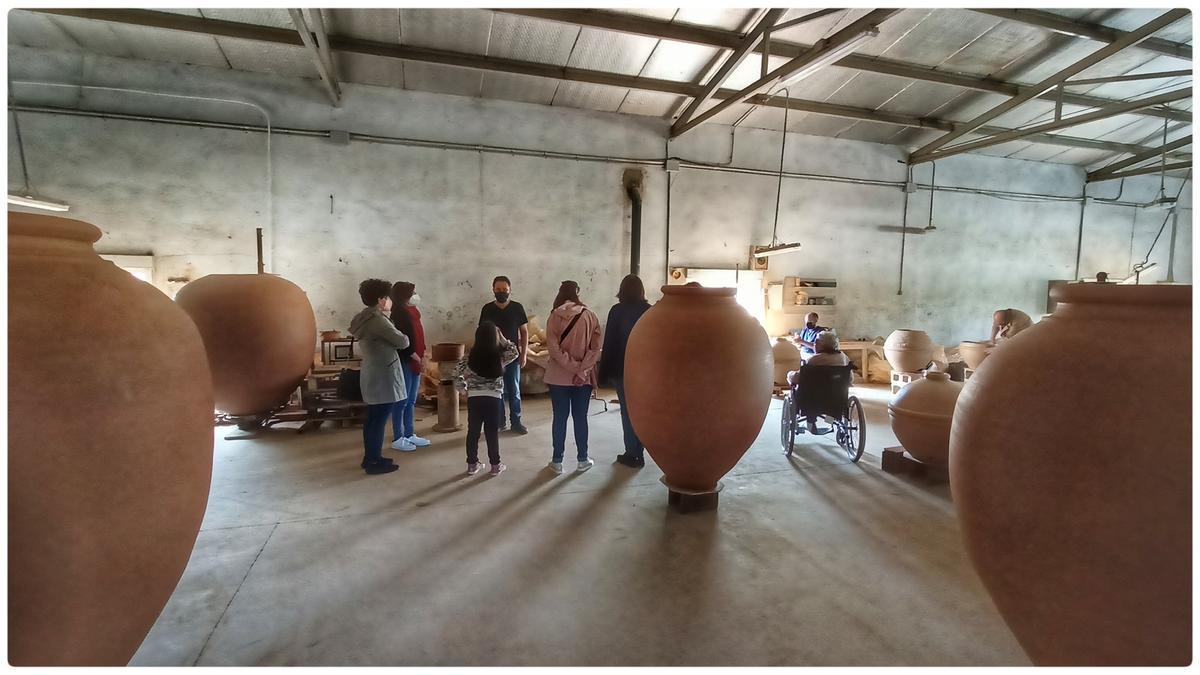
x=828 y=354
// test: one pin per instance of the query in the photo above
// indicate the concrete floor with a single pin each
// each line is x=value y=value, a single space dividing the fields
x=305 y=560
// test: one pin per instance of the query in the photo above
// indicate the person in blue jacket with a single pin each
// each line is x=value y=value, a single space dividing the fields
x=630 y=307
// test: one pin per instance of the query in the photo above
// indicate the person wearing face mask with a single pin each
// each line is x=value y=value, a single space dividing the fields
x=808 y=336
x=509 y=316
x=382 y=376
x=407 y=319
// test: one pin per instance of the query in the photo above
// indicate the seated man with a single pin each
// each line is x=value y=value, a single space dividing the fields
x=808 y=336
x=1006 y=323
x=827 y=354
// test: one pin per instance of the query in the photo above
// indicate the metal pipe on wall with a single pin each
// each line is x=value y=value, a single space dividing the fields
x=1079 y=238
x=524 y=152
x=635 y=229
x=903 y=232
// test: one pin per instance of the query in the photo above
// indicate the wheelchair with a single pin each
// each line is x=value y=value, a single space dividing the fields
x=824 y=392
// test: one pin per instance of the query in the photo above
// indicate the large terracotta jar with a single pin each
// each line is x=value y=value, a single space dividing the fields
x=259 y=331
x=1071 y=468
x=973 y=352
x=697 y=383
x=921 y=413
x=908 y=350
x=110 y=444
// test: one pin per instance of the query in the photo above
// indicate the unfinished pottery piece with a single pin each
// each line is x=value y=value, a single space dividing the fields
x=1071 y=469
x=973 y=352
x=448 y=351
x=786 y=357
x=908 y=350
x=110 y=444
x=259 y=331
x=330 y=335
x=697 y=383
x=921 y=413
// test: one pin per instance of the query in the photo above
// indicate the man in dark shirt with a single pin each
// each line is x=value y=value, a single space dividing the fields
x=509 y=316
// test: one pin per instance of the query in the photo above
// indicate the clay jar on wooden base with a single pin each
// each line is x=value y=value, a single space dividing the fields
x=908 y=350
x=697 y=383
x=110 y=445
x=921 y=413
x=1071 y=468
x=259 y=331
x=973 y=352
x=446 y=354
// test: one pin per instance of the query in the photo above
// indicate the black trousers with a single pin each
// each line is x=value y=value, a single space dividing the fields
x=484 y=413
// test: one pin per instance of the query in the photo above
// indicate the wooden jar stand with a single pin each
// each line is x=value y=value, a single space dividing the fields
x=896 y=461
x=690 y=501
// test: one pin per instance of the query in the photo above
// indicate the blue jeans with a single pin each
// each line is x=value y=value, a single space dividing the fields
x=573 y=402
x=633 y=446
x=512 y=392
x=374 y=428
x=402 y=414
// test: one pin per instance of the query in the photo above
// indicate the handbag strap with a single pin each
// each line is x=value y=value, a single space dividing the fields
x=571 y=325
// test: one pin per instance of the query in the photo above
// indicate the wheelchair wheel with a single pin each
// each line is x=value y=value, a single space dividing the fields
x=852 y=435
x=787 y=426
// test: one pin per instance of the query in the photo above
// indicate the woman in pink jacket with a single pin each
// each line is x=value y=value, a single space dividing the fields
x=573 y=337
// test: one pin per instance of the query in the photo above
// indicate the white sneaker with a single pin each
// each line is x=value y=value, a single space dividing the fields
x=418 y=441
x=473 y=469
x=556 y=467
x=584 y=465
x=403 y=445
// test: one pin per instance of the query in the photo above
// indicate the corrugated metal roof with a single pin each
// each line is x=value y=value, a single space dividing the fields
x=456 y=30
x=516 y=87
x=611 y=52
x=30 y=29
x=652 y=103
x=440 y=79
x=526 y=39
x=379 y=25
x=365 y=69
x=955 y=40
x=262 y=57
x=590 y=96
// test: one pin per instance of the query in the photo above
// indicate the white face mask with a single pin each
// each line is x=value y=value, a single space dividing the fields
x=414 y=300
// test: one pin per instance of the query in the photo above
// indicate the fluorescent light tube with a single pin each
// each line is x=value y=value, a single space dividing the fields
x=829 y=57
x=37 y=203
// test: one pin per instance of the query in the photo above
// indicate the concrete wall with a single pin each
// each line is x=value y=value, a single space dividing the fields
x=449 y=219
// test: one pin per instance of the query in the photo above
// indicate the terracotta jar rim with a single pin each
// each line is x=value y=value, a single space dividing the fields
x=51 y=227
x=701 y=291
x=1120 y=294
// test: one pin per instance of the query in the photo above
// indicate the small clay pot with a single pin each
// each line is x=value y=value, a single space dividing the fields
x=973 y=352
x=330 y=335
x=921 y=413
x=697 y=381
x=908 y=350
x=447 y=351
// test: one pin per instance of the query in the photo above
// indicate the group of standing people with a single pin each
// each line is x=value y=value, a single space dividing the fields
x=392 y=347
x=392 y=342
